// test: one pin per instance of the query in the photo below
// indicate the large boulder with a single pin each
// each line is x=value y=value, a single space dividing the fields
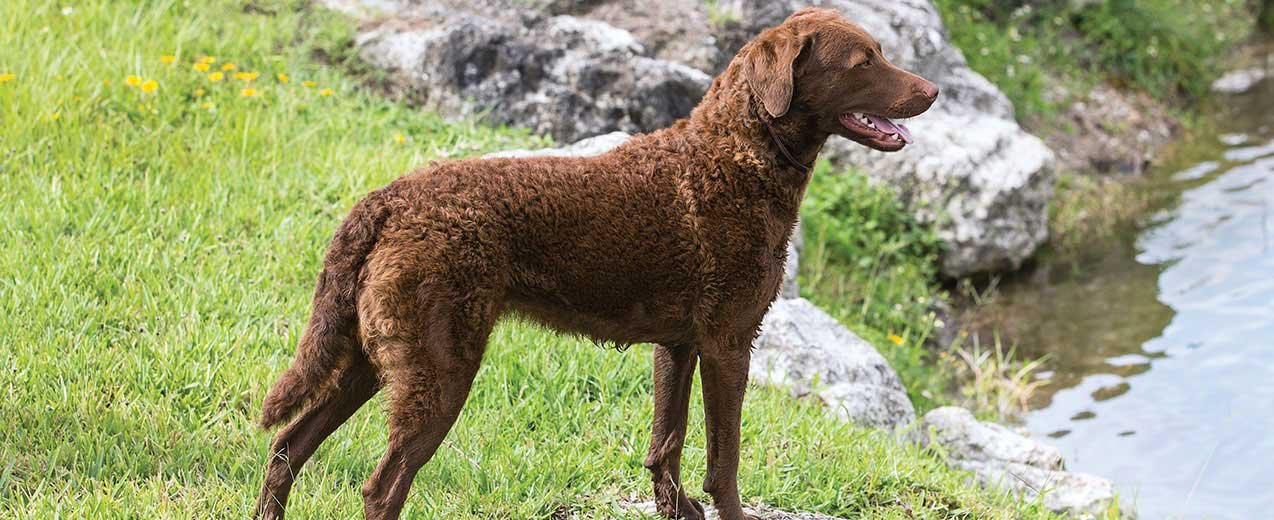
x=977 y=176
x=807 y=351
x=1003 y=459
x=673 y=30
x=565 y=76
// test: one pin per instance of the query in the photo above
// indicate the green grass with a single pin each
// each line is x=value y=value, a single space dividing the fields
x=871 y=265
x=1168 y=48
x=157 y=261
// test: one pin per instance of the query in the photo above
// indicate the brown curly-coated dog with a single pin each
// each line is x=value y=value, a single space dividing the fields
x=676 y=238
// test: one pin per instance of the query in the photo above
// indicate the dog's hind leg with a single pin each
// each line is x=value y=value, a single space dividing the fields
x=428 y=378
x=674 y=375
x=294 y=445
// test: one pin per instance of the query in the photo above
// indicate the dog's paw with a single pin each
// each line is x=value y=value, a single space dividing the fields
x=691 y=504
x=684 y=508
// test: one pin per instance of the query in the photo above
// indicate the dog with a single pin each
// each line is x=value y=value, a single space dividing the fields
x=676 y=238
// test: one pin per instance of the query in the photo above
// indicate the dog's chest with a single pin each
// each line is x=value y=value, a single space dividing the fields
x=749 y=253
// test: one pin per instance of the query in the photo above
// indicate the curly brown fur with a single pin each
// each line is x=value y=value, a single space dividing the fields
x=676 y=238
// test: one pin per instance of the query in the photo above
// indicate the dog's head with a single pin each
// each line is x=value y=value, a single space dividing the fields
x=819 y=63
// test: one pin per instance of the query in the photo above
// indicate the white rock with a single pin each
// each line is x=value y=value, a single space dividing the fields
x=1005 y=460
x=964 y=437
x=804 y=349
x=1239 y=81
x=1077 y=495
x=564 y=76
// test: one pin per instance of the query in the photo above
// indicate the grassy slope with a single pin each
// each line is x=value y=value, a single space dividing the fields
x=158 y=254
x=1042 y=54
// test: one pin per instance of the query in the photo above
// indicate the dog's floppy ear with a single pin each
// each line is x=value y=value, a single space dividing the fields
x=768 y=68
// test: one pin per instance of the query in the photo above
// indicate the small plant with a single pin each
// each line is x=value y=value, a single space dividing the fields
x=1086 y=208
x=992 y=380
x=719 y=16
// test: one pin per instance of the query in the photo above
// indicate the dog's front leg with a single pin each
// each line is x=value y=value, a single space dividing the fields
x=725 y=377
x=674 y=375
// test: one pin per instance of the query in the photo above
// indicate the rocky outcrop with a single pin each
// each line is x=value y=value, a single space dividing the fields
x=565 y=76
x=978 y=177
x=1000 y=458
x=805 y=350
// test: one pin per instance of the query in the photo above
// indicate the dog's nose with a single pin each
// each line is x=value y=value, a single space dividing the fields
x=929 y=89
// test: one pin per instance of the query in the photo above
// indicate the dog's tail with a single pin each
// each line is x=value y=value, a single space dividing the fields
x=331 y=337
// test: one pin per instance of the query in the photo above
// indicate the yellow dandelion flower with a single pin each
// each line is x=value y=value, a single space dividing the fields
x=283 y=78
x=150 y=86
x=208 y=105
x=106 y=82
x=133 y=81
x=246 y=76
x=228 y=67
x=216 y=76
x=201 y=67
x=400 y=138
x=896 y=339
x=7 y=77
x=206 y=59
x=168 y=58
x=326 y=92
x=250 y=92
x=308 y=84
x=55 y=116
x=59 y=77
x=199 y=92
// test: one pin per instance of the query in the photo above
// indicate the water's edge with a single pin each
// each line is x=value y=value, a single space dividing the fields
x=1160 y=343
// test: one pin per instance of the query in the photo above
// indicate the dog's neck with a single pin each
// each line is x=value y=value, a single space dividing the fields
x=797 y=138
x=779 y=152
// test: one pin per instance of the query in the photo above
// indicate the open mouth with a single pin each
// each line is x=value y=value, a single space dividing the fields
x=876 y=131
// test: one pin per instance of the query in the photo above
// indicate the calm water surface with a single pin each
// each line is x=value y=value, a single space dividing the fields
x=1161 y=344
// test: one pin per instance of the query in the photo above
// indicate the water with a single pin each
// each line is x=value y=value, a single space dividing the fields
x=1161 y=343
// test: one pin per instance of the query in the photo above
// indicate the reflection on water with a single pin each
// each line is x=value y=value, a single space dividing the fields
x=1161 y=345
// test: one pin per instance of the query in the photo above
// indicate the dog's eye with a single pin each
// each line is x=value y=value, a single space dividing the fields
x=866 y=64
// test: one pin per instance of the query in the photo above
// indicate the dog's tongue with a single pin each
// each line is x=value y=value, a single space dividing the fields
x=889 y=127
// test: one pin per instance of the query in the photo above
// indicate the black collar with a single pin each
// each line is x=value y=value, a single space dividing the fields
x=774 y=137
